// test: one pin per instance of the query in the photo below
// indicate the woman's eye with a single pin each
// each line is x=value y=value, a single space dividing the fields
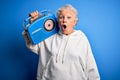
x=60 y=17
x=68 y=17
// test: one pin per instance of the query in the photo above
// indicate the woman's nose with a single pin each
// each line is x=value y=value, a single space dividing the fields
x=64 y=20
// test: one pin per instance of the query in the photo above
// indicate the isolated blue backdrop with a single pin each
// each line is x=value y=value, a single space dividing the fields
x=98 y=19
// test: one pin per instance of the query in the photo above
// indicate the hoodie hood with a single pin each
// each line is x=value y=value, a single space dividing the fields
x=75 y=33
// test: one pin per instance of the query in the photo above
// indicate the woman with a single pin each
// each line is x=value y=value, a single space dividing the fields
x=67 y=54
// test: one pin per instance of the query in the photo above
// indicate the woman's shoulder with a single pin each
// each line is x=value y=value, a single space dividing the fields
x=80 y=33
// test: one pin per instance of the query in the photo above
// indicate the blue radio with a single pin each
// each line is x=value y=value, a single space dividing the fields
x=45 y=26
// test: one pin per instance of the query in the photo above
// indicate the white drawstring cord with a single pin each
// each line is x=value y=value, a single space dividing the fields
x=63 y=58
x=64 y=53
x=57 y=55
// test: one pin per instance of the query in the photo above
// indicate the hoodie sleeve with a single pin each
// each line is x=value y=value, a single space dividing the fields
x=91 y=66
x=92 y=71
x=29 y=44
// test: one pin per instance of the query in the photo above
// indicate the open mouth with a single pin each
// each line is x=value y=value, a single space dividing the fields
x=64 y=26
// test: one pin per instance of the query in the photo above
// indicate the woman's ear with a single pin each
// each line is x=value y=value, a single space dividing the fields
x=75 y=22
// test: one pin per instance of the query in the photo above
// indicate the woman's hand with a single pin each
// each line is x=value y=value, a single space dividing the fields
x=34 y=15
x=27 y=39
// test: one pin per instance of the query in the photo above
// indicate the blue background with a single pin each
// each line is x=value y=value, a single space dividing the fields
x=98 y=19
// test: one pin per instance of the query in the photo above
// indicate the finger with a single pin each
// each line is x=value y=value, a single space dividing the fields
x=36 y=13
x=34 y=18
x=31 y=20
x=32 y=14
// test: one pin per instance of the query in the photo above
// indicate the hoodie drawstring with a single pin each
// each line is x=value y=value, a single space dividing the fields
x=64 y=53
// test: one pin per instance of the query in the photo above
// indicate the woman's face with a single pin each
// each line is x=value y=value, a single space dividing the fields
x=67 y=21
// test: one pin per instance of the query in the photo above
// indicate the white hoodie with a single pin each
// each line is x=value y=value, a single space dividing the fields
x=64 y=57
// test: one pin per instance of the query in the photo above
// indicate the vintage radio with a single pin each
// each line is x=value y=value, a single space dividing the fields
x=42 y=28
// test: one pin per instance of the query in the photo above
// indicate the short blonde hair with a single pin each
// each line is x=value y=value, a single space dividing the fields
x=68 y=7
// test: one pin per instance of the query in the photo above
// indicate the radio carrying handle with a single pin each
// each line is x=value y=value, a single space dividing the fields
x=27 y=21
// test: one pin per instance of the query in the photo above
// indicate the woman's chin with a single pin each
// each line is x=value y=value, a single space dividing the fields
x=65 y=32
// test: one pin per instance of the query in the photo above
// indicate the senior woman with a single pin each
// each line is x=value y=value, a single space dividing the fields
x=67 y=54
